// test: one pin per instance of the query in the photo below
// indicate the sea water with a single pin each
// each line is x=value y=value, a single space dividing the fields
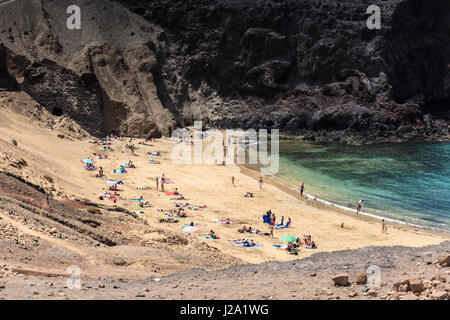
x=406 y=182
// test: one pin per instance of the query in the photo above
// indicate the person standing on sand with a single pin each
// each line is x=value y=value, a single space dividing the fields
x=383 y=227
x=271 y=230
x=232 y=181
x=157 y=183
x=359 y=205
x=302 y=188
x=260 y=182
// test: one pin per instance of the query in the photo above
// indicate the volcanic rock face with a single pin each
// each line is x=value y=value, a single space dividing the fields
x=61 y=91
x=7 y=82
x=304 y=67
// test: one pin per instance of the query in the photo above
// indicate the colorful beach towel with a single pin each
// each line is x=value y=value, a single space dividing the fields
x=241 y=244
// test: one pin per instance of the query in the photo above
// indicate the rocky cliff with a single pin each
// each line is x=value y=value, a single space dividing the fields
x=306 y=67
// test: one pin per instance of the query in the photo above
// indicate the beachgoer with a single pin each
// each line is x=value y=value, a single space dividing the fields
x=383 y=227
x=302 y=188
x=232 y=181
x=260 y=182
x=358 y=206
x=157 y=183
x=289 y=247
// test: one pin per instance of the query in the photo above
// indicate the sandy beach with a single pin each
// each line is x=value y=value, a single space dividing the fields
x=49 y=155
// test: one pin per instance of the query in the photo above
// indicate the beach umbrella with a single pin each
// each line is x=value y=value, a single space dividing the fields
x=288 y=238
x=190 y=229
x=87 y=161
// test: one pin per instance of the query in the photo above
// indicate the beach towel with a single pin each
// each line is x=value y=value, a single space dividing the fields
x=90 y=168
x=241 y=244
x=267 y=220
x=255 y=246
x=311 y=248
x=209 y=237
x=282 y=227
x=222 y=221
x=279 y=246
x=171 y=193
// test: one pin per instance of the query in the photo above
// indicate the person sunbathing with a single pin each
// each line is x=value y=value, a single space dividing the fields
x=249 y=244
x=144 y=205
x=131 y=164
x=225 y=221
x=213 y=235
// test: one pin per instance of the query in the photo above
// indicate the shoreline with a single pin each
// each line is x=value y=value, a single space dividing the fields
x=201 y=184
x=322 y=204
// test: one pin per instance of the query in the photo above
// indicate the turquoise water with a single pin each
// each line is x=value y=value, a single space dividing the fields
x=408 y=182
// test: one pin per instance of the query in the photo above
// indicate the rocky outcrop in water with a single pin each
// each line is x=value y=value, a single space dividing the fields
x=305 y=67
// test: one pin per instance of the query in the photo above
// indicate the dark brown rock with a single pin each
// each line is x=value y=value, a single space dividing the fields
x=341 y=280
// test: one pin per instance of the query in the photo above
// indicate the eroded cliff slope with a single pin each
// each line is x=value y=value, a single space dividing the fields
x=304 y=67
